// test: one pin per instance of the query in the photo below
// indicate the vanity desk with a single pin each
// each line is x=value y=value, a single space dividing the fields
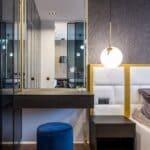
x=54 y=98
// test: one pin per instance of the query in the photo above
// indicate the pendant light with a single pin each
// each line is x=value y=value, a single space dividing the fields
x=111 y=57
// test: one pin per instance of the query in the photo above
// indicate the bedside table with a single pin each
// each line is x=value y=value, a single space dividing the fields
x=112 y=133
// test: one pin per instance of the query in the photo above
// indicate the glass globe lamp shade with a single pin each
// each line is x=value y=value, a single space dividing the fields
x=111 y=57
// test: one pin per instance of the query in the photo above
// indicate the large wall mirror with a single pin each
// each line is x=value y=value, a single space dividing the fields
x=53 y=44
x=9 y=73
x=70 y=54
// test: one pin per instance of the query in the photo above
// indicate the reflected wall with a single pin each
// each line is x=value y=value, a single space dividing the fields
x=32 y=46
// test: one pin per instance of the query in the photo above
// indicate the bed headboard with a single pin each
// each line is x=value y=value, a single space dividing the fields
x=119 y=84
x=108 y=83
x=140 y=78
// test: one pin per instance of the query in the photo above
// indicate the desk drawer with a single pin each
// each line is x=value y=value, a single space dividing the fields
x=115 y=131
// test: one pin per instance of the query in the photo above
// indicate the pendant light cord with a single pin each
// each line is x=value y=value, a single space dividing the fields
x=110 y=25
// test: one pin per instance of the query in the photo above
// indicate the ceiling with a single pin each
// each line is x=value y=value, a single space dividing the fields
x=66 y=10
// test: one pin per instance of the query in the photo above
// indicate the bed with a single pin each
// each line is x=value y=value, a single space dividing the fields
x=140 y=80
x=108 y=85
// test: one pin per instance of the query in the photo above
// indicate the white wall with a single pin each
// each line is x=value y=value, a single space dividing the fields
x=32 y=118
x=60 y=30
x=60 y=50
x=47 y=54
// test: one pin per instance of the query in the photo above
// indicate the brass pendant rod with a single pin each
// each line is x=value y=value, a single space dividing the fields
x=110 y=32
x=110 y=24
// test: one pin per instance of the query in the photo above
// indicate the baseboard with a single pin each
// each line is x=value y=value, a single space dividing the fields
x=32 y=146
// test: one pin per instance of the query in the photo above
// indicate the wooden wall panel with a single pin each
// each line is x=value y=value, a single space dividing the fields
x=130 y=29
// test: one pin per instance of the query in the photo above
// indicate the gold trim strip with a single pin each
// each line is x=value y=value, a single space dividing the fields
x=139 y=65
x=127 y=91
x=20 y=43
x=86 y=41
x=90 y=76
x=22 y=30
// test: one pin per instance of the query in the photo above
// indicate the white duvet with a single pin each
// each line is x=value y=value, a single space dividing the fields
x=142 y=129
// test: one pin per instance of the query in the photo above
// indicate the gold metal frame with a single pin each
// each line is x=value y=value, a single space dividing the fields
x=126 y=82
x=22 y=14
x=127 y=90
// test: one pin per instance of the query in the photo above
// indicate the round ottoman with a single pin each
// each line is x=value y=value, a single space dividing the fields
x=55 y=136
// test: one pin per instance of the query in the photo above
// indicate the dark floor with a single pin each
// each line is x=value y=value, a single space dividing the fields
x=76 y=147
x=33 y=147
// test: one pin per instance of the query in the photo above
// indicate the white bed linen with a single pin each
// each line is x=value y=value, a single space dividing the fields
x=142 y=136
x=135 y=106
x=140 y=78
x=142 y=131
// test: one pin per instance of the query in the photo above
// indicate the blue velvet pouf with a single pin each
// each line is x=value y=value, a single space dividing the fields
x=55 y=136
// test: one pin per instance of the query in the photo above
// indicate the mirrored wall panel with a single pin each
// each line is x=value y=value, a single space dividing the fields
x=10 y=129
x=76 y=55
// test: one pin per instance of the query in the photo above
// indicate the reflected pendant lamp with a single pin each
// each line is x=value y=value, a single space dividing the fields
x=111 y=57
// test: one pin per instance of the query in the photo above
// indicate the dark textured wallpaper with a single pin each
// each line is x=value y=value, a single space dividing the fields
x=130 y=29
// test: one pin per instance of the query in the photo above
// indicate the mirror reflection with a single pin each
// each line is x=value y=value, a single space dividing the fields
x=69 y=55
x=54 y=51
x=46 y=44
